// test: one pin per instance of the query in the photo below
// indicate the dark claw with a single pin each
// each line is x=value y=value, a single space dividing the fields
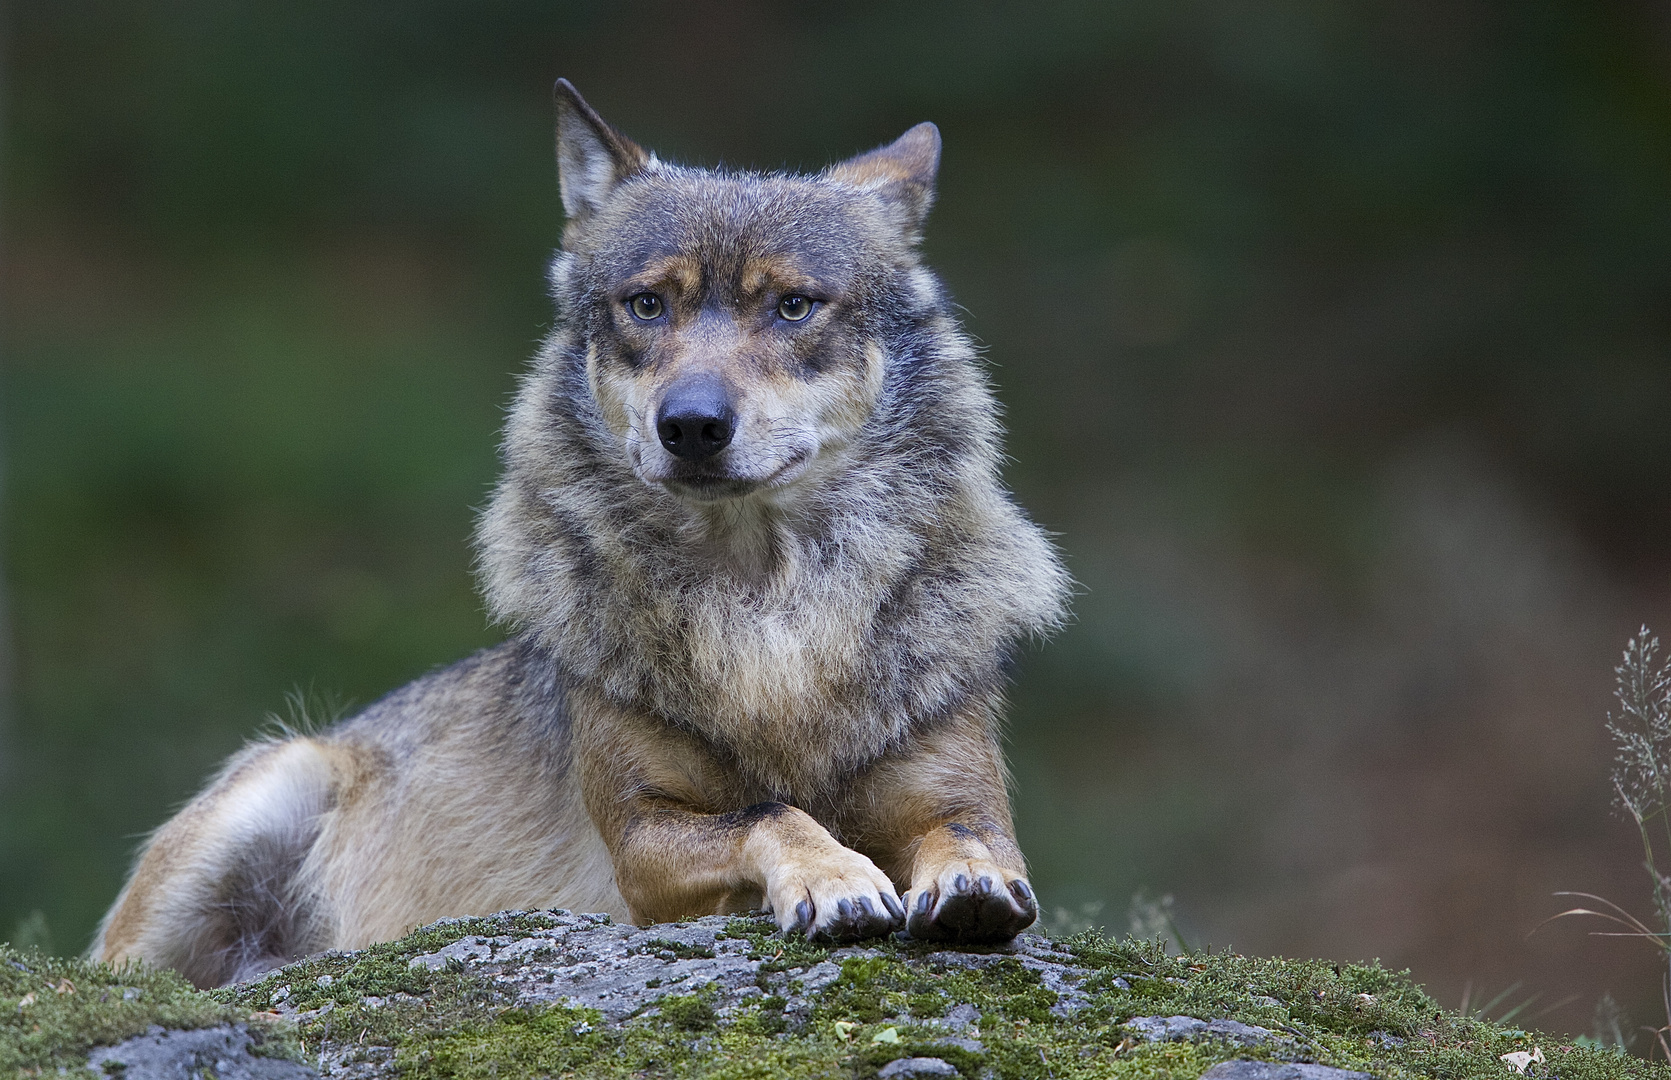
x=895 y=912
x=960 y=883
x=855 y=918
x=925 y=900
x=984 y=886
x=803 y=916
x=1024 y=896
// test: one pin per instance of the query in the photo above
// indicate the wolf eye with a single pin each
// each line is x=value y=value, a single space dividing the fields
x=793 y=308
x=645 y=306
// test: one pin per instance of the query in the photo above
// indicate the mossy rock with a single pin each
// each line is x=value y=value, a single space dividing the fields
x=53 y=1011
x=538 y=994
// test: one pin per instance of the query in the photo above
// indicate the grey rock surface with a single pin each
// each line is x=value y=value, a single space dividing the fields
x=621 y=971
x=917 y=1066
x=225 y=1052
x=1243 y=1069
x=1172 y=1028
x=627 y=972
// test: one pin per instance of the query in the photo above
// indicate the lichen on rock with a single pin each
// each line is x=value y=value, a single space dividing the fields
x=537 y=994
x=225 y=1052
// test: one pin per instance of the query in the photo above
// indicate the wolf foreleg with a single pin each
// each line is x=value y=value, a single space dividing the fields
x=671 y=863
x=939 y=811
x=661 y=802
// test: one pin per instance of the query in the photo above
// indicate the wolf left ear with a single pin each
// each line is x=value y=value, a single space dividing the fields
x=902 y=172
x=592 y=157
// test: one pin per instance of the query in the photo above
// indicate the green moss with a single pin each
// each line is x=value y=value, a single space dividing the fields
x=677 y=949
x=53 y=1010
x=689 y=1012
x=682 y=1041
x=776 y=952
x=516 y=1043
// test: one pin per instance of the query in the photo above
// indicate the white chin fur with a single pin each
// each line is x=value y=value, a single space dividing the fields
x=781 y=478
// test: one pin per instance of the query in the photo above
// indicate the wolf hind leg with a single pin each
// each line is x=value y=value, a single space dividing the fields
x=220 y=893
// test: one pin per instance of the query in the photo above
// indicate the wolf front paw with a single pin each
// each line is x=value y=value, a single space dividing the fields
x=973 y=903
x=837 y=896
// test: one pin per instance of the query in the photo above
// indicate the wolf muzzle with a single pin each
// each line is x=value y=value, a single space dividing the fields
x=696 y=420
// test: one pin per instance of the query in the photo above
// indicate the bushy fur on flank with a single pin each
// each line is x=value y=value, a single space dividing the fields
x=762 y=578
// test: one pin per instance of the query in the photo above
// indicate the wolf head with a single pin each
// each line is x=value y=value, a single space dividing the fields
x=735 y=321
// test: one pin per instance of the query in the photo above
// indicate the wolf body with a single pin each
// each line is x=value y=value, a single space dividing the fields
x=762 y=577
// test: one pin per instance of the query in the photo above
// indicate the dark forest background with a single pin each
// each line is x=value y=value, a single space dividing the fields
x=1335 y=342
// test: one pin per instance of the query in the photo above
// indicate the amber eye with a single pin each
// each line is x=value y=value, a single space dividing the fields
x=645 y=306
x=794 y=308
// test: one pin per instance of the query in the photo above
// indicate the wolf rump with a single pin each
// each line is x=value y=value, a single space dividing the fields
x=762 y=577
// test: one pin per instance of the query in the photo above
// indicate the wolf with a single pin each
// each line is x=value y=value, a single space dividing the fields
x=762 y=582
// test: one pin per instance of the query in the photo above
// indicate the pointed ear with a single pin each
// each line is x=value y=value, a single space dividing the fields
x=592 y=157
x=902 y=171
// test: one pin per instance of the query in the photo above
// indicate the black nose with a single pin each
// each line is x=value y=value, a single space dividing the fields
x=695 y=421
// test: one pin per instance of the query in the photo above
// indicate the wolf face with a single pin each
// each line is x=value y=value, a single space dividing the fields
x=735 y=322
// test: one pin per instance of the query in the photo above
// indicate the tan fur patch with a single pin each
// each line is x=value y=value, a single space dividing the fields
x=764 y=274
x=680 y=272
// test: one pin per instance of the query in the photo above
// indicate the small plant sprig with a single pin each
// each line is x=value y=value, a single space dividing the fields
x=1641 y=732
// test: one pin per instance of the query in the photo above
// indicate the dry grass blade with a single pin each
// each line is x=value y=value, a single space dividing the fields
x=1636 y=927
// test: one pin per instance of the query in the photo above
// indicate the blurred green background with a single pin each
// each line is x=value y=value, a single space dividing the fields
x=1333 y=338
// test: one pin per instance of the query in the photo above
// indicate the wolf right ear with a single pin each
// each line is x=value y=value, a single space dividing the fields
x=592 y=157
x=902 y=172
